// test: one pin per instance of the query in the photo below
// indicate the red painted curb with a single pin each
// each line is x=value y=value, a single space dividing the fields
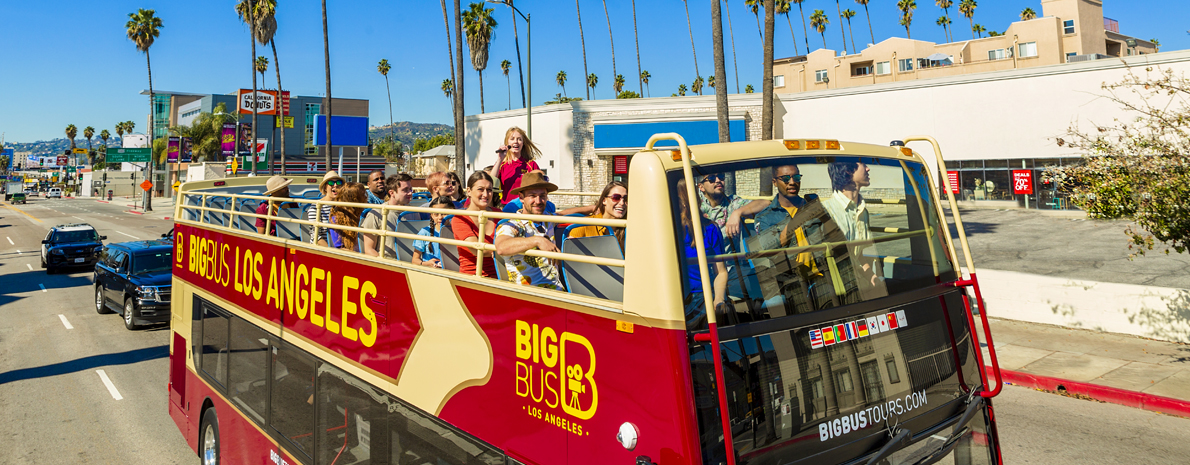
x=1113 y=395
x=102 y=201
x=132 y=212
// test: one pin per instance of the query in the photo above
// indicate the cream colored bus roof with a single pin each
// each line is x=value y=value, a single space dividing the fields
x=757 y=150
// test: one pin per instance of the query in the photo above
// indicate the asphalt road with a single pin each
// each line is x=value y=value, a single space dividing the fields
x=55 y=407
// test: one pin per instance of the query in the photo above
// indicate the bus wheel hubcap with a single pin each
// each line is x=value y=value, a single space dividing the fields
x=208 y=446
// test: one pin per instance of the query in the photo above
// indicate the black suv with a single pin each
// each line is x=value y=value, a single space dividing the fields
x=135 y=279
x=70 y=245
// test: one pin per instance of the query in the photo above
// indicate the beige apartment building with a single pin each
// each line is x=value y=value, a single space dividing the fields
x=1068 y=31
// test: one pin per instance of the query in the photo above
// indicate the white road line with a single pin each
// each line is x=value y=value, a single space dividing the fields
x=30 y=266
x=10 y=242
x=129 y=235
x=64 y=322
x=18 y=251
x=110 y=387
x=42 y=286
x=78 y=218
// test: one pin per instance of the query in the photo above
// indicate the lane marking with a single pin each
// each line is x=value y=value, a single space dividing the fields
x=10 y=242
x=19 y=252
x=30 y=266
x=34 y=218
x=42 y=286
x=129 y=235
x=110 y=387
x=78 y=218
x=64 y=322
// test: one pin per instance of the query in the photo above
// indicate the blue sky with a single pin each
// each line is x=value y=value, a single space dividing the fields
x=73 y=64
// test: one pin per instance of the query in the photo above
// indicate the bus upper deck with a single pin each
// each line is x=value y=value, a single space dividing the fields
x=834 y=336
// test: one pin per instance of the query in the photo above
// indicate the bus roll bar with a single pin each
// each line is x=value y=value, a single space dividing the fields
x=971 y=281
x=712 y=334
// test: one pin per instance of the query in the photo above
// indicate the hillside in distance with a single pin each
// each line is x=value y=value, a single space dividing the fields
x=406 y=132
x=59 y=145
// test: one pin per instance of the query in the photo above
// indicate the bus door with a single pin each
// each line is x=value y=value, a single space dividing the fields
x=846 y=338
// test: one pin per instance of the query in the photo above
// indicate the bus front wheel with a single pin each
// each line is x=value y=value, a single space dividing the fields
x=208 y=441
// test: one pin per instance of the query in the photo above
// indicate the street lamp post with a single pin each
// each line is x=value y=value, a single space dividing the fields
x=528 y=65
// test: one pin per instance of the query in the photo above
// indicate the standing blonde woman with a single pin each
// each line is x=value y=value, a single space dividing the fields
x=517 y=157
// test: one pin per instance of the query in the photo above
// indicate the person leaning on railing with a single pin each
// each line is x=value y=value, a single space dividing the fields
x=330 y=185
x=397 y=191
x=465 y=228
x=514 y=237
x=612 y=205
x=342 y=215
x=276 y=187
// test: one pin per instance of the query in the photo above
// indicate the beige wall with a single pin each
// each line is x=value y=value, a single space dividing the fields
x=1088 y=37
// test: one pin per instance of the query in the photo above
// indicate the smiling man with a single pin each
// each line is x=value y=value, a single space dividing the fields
x=515 y=237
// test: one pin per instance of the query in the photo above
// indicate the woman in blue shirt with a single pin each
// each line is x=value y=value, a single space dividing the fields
x=427 y=253
x=713 y=243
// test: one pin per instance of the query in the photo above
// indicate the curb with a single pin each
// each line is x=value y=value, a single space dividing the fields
x=134 y=213
x=1112 y=395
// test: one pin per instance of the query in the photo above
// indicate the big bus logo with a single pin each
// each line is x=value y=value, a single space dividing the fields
x=556 y=370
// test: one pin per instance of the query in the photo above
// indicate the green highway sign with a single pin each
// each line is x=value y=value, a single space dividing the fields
x=140 y=155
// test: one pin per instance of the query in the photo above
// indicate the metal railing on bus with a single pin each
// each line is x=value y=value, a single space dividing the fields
x=481 y=219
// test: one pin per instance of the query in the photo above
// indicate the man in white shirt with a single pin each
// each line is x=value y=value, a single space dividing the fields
x=847 y=206
x=515 y=237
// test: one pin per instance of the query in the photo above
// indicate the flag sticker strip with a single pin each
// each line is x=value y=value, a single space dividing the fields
x=851 y=330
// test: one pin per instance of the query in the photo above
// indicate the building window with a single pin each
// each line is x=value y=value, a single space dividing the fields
x=843 y=381
x=312 y=110
x=1026 y=50
x=894 y=376
x=861 y=71
x=905 y=65
x=160 y=115
x=884 y=67
x=873 y=386
x=820 y=76
x=998 y=54
x=779 y=81
x=1068 y=26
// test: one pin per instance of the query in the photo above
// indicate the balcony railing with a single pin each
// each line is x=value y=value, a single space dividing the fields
x=1111 y=25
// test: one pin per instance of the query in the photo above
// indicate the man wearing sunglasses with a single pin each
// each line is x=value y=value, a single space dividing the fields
x=787 y=181
x=725 y=210
x=330 y=185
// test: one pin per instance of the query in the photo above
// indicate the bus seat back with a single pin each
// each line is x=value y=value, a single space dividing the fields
x=450 y=253
x=247 y=223
x=287 y=230
x=405 y=246
x=605 y=282
x=217 y=218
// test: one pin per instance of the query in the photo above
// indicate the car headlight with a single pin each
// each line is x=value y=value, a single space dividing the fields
x=148 y=292
x=57 y=252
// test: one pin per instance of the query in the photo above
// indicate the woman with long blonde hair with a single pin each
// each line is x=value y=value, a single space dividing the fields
x=347 y=216
x=517 y=157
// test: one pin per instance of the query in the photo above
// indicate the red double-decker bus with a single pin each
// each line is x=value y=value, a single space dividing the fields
x=828 y=322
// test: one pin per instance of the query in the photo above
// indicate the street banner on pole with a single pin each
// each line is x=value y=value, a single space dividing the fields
x=229 y=139
x=172 y=148
x=243 y=138
x=187 y=150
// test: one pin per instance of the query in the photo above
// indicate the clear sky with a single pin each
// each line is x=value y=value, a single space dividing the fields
x=73 y=64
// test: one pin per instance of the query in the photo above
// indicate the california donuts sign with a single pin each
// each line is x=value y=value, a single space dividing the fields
x=265 y=101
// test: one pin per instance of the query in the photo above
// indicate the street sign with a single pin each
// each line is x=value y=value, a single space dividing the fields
x=176 y=184
x=62 y=160
x=146 y=185
x=288 y=122
x=138 y=155
x=80 y=151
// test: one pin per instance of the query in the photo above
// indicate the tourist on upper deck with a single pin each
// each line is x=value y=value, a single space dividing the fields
x=713 y=243
x=330 y=186
x=723 y=209
x=847 y=206
x=428 y=253
x=276 y=187
x=514 y=237
x=790 y=220
x=342 y=215
x=376 y=190
x=515 y=159
x=458 y=188
x=442 y=184
x=612 y=205
x=479 y=195
x=398 y=191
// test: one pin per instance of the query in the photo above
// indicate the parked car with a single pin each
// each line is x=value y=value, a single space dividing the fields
x=55 y=192
x=70 y=245
x=134 y=279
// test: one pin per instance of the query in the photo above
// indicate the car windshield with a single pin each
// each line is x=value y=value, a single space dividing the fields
x=75 y=236
x=152 y=262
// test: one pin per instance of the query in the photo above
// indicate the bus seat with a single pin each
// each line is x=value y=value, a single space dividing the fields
x=414 y=216
x=218 y=218
x=450 y=253
x=742 y=281
x=247 y=223
x=405 y=246
x=191 y=214
x=501 y=268
x=605 y=282
x=287 y=230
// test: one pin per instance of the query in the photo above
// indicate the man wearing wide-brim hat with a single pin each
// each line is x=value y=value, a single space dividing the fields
x=514 y=237
x=330 y=185
x=278 y=188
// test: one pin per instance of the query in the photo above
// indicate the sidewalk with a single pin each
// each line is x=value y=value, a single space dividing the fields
x=1121 y=369
x=162 y=207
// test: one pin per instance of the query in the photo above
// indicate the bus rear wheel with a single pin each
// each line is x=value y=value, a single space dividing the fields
x=208 y=440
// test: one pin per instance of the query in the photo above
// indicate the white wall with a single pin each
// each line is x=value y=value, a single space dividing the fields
x=552 y=133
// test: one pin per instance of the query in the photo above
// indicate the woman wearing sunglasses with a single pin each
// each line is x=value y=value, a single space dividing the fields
x=330 y=186
x=612 y=205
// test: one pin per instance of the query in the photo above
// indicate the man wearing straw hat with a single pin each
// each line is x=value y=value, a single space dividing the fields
x=515 y=237
x=277 y=187
x=330 y=185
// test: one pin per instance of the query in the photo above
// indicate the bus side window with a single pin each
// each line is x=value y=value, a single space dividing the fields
x=292 y=403
x=214 y=343
x=246 y=380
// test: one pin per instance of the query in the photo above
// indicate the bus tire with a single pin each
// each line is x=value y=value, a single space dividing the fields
x=129 y=314
x=100 y=302
x=208 y=438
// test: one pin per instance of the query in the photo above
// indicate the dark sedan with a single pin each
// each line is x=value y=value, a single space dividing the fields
x=135 y=280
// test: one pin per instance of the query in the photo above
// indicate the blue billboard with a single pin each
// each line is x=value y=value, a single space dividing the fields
x=345 y=130
x=8 y=153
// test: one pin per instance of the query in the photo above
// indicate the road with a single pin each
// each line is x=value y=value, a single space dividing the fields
x=56 y=408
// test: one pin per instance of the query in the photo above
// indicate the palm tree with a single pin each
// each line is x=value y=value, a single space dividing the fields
x=842 y=31
x=561 y=80
x=1156 y=44
x=120 y=132
x=944 y=21
x=696 y=86
x=618 y=84
x=754 y=5
x=450 y=51
x=142 y=29
x=383 y=67
x=262 y=65
x=1028 y=14
x=637 y=39
x=592 y=81
x=448 y=89
x=720 y=72
x=326 y=54
x=104 y=135
x=583 y=42
x=978 y=29
x=89 y=133
x=967 y=8
x=945 y=6
x=818 y=21
x=505 y=66
x=479 y=24
x=690 y=28
x=611 y=40
x=711 y=81
x=246 y=9
x=681 y=90
x=748 y=89
x=783 y=7
x=459 y=99
x=644 y=77
x=869 y=16
x=72 y=131
x=734 y=64
x=907 y=7
x=847 y=15
x=805 y=32
x=266 y=29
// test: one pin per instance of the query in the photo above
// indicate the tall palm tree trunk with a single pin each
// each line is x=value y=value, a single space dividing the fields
x=842 y=31
x=766 y=112
x=454 y=107
x=148 y=203
x=481 y=109
x=805 y=32
x=460 y=138
x=583 y=42
x=610 y=39
x=280 y=93
x=519 y=72
x=255 y=126
x=851 y=32
x=793 y=36
x=690 y=27
x=636 y=37
x=870 y=30
x=736 y=66
x=326 y=53
x=391 y=136
x=720 y=71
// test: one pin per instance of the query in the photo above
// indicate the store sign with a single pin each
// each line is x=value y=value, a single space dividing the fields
x=1022 y=182
x=620 y=164
x=953 y=177
x=288 y=121
x=265 y=101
